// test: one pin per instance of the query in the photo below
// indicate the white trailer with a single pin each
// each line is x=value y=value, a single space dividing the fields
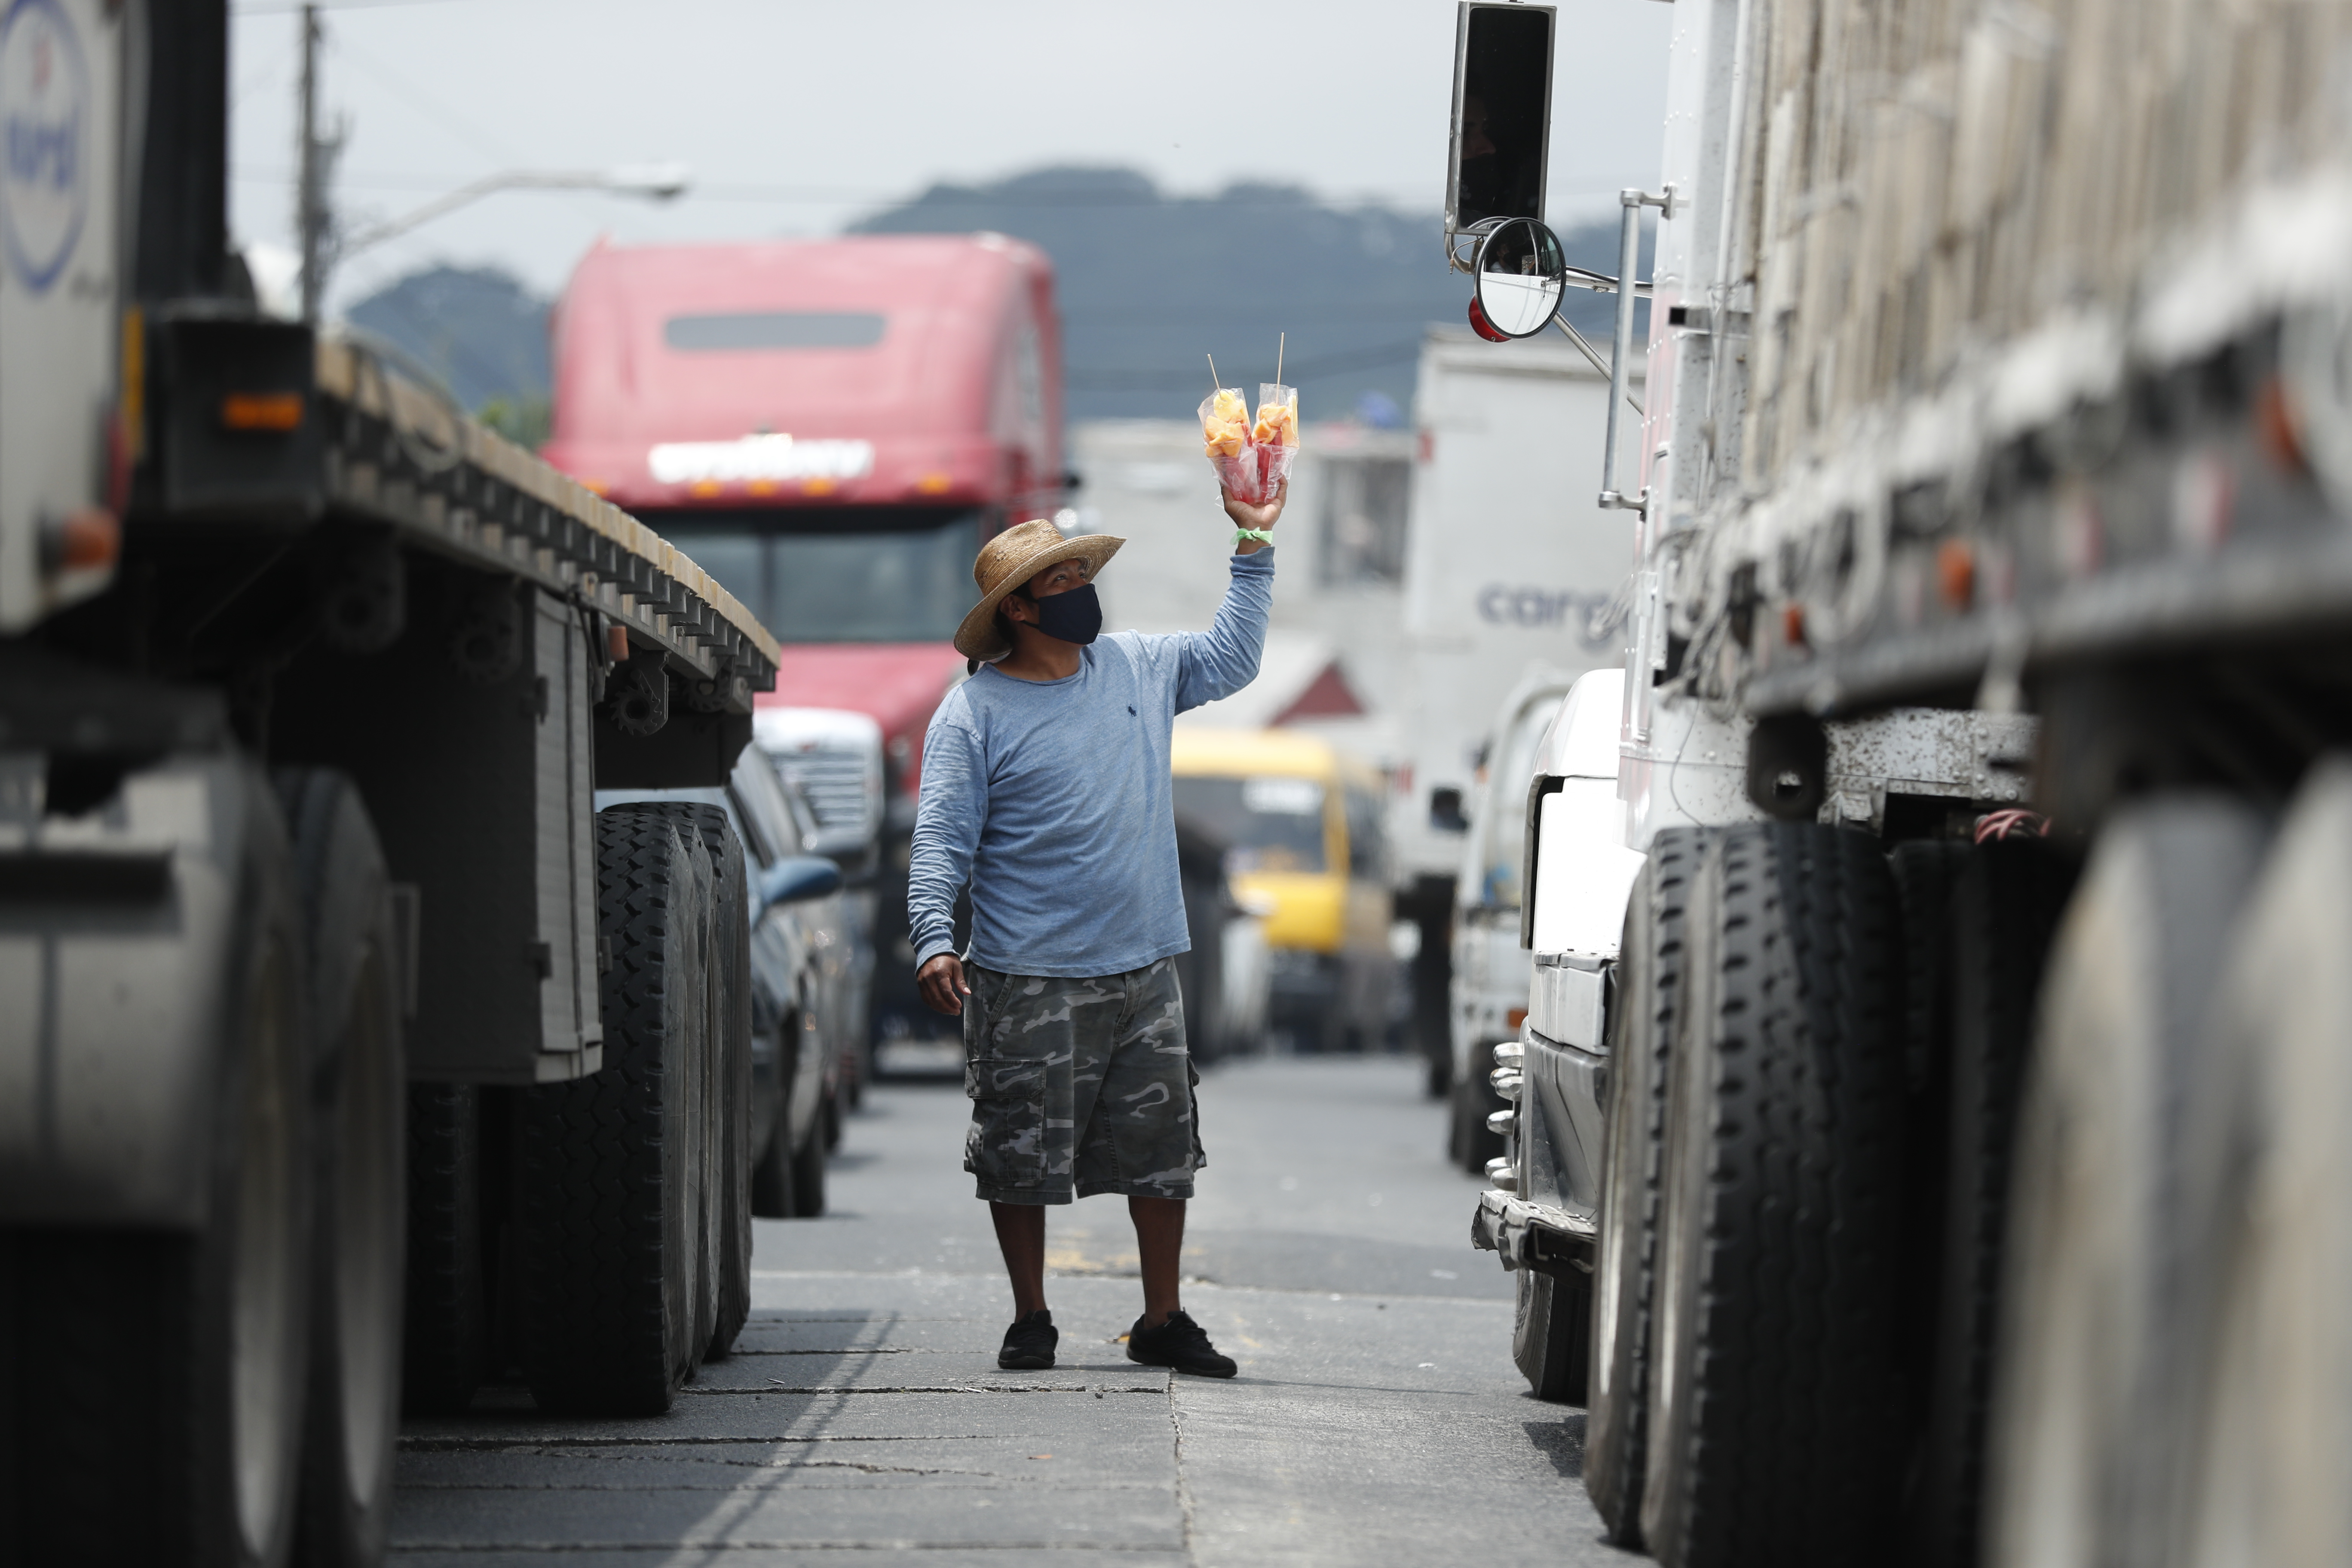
x=1895 y=1181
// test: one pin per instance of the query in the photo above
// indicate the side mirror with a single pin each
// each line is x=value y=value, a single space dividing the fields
x=1501 y=130
x=799 y=877
x=1521 y=272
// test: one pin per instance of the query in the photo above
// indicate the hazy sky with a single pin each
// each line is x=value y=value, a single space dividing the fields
x=797 y=117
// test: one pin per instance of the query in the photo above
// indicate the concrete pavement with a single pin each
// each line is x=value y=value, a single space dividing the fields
x=1377 y=1418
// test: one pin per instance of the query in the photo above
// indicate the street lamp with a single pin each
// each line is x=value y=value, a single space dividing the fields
x=656 y=182
x=314 y=223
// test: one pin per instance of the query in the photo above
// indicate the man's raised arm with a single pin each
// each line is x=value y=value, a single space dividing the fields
x=1222 y=660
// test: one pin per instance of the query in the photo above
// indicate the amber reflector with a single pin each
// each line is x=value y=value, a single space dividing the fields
x=272 y=411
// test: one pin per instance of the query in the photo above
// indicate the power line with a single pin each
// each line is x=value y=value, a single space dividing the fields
x=425 y=104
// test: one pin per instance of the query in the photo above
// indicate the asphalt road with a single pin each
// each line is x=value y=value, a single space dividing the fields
x=1377 y=1418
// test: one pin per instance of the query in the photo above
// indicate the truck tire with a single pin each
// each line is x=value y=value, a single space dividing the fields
x=1773 y=1430
x=152 y=1384
x=808 y=1172
x=445 y=1325
x=1995 y=935
x=359 y=1091
x=2266 y=1346
x=610 y=1265
x=1473 y=1099
x=2095 y=1252
x=728 y=1176
x=1926 y=871
x=1551 y=1333
x=771 y=1178
x=1642 y=1025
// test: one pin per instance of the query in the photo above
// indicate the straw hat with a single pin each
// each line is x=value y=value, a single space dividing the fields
x=1011 y=559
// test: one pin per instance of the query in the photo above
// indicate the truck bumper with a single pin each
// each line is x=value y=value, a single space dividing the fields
x=1532 y=1235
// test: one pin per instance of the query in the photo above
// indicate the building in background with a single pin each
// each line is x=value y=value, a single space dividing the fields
x=1331 y=644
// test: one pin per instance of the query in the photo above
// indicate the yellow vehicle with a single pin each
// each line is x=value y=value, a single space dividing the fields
x=1301 y=826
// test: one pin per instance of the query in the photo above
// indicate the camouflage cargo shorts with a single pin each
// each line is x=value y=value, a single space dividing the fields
x=1079 y=1084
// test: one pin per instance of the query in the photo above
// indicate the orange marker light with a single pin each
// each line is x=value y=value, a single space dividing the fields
x=1792 y=624
x=1956 y=572
x=934 y=484
x=2277 y=428
x=88 y=539
x=267 y=413
x=1514 y=1017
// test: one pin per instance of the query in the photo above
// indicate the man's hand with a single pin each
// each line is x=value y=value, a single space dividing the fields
x=1260 y=517
x=942 y=984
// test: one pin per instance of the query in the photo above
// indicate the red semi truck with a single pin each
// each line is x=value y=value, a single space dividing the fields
x=831 y=428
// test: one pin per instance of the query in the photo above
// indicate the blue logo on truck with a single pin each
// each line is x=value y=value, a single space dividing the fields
x=44 y=140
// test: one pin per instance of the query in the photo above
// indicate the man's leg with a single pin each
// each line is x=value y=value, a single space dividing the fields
x=1020 y=1236
x=1160 y=1243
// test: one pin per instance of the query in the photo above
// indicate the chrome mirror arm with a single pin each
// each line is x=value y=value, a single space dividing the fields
x=1592 y=356
x=1599 y=282
x=1628 y=264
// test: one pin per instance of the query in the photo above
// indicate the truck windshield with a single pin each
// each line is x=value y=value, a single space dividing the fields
x=1265 y=824
x=837 y=575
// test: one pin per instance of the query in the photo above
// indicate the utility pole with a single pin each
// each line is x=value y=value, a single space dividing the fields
x=313 y=219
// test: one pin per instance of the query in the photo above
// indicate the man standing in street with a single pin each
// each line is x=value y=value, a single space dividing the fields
x=1046 y=788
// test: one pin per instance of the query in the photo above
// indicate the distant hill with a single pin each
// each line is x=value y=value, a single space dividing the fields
x=479 y=328
x=1149 y=283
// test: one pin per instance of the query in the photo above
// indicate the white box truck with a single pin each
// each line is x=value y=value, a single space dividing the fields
x=1506 y=575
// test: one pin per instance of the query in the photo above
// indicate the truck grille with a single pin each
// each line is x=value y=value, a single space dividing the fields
x=835 y=782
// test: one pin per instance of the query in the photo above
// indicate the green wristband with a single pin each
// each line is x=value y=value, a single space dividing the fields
x=1260 y=534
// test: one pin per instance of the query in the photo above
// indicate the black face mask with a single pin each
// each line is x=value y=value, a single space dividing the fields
x=1073 y=616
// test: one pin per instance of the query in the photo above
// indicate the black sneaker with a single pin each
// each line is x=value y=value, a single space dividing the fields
x=1178 y=1342
x=1029 y=1343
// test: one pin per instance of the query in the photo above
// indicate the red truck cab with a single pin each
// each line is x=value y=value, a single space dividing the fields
x=831 y=428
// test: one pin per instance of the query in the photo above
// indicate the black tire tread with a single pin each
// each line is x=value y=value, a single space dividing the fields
x=808 y=1173
x=2003 y=918
x=1782 y=1447
x=1617 y=1436
x=729 y=1063
x=598 y=1271
x=772 y=1174
x=445 y=1329
x=1551 y=1338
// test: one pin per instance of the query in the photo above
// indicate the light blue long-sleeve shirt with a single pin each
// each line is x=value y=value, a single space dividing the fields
x=1053 y=799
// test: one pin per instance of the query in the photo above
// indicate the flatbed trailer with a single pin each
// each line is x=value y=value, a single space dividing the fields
x=350 y=1058
x=1927 y=1133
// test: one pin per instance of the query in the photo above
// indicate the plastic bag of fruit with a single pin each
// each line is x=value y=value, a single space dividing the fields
x=1253 y=456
